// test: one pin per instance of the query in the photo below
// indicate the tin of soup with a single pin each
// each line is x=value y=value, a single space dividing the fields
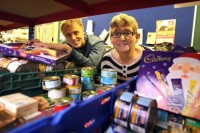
x=52 y=82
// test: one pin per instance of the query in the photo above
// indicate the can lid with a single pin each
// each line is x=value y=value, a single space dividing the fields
x=51 y=78
x=62 y=102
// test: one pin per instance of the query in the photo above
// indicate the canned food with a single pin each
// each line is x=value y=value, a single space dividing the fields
x=2 y=60
x=108 y=80
x=88 y=94
x=87 y=79
x=75 y=96
x=17 y=66
x=110 y=73
x=71 y=79
x=5 y=63
x=42 y=67
x=57 y=93
x=49 y=68
x=76 y=89
x=102 y=89
x=88 y=86
x=33 y=65
x=62 y=104
x=87 y=71
x=50 y=83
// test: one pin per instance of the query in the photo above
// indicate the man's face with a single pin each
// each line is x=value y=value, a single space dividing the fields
x=74 y=35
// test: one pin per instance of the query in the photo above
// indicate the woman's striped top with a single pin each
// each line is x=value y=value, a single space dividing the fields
x=124 y=72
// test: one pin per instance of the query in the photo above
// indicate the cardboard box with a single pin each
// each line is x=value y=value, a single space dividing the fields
x=33 y=116
x=37 y=54
x=19 y=104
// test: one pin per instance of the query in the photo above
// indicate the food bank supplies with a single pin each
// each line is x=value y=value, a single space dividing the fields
x=19 y=104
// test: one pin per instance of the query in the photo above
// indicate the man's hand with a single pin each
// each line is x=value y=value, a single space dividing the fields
x=34 y=41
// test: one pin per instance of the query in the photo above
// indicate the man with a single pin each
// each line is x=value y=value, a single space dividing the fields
x=83 y=49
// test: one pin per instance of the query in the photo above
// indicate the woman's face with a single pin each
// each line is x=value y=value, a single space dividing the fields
x=124 y=39
x=74 y=35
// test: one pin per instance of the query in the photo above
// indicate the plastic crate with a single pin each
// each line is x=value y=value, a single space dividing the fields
x=28 y=83
x=88 y=116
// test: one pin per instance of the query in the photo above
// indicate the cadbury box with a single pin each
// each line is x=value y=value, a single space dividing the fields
x=18 y=104
x=172 y=79
x=33 y=53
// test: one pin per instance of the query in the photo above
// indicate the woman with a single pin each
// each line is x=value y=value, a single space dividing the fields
x=126 y=55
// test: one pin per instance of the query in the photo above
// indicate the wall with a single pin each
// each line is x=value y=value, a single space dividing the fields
x=147 y=20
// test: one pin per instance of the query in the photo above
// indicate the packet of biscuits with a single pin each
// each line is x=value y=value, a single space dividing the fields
x=44 y=102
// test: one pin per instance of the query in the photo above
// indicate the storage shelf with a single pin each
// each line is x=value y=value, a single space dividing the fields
x=20 y=13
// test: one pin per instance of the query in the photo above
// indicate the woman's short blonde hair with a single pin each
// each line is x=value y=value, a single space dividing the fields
x=123 y=20
x=71 y=22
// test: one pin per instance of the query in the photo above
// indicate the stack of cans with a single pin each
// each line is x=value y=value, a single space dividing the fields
x=87 y=81
x=52 y=84
x=72 y=86
x=87 y=78
x=14 y=65
x=108 y=77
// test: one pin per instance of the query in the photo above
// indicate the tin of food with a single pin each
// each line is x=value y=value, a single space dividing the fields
x=101 y=89
x=52 y=82
x=87 y=71
x=75 y=89
x=2 y=60
x=76 y=97
x=33 y=65
x=87 y=79
x=110 y=73
x=42 y=67
x=71 y=80
x=88 y=86
x=5 y=63
x=61 y=104
x=108 y=80
x=56 y=94
x=88 y=94
x=17 y=67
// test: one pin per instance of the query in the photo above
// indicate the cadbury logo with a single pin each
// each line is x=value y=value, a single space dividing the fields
x=153 y=58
